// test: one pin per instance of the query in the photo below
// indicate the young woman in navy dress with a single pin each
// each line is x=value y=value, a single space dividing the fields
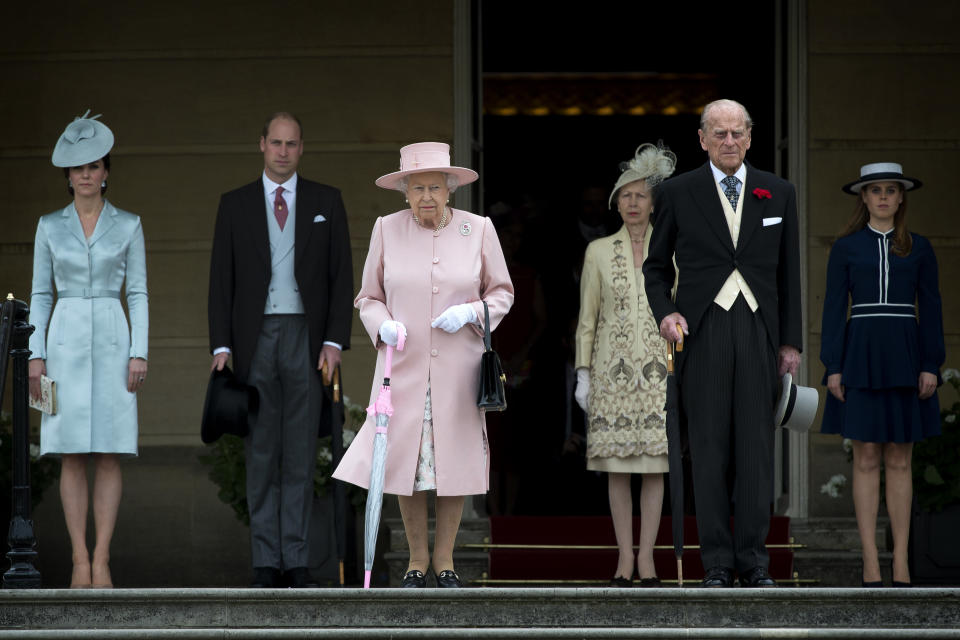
x=883 y=363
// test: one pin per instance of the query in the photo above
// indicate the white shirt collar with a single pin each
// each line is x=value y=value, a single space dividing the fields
x=741 y=173
x=269 y=186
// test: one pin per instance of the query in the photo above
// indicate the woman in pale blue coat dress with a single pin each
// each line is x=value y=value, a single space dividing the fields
x=81 y=257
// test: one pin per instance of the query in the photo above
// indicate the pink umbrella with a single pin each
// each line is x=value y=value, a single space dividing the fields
x=382 y=409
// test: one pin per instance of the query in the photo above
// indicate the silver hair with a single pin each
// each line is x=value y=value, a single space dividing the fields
x=705 y=116
x=452 y=182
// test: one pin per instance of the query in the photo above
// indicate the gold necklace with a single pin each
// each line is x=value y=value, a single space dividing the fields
x=443 y=220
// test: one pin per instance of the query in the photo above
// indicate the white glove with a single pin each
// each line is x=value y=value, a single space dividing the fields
x=390 y=330
x=455 y=317
x=583 y=387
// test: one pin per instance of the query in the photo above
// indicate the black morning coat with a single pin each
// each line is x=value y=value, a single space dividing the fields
x=689 y=220
x=240 y=269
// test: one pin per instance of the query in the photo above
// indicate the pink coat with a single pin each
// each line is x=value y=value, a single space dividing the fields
x=412 y=275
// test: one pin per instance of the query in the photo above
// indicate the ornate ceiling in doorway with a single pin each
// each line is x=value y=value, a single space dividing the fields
x=596 y=94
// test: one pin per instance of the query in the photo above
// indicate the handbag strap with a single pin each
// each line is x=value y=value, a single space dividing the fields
x=486 y=327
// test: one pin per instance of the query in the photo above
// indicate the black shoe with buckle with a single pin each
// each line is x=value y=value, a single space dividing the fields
x=414 y=579
x=757 y=578
x=717 y=577
x=448 y=579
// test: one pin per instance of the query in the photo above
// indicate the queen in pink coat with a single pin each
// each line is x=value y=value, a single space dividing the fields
x=427 y=273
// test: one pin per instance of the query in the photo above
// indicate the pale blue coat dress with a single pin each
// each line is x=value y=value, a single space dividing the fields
x=86 y=342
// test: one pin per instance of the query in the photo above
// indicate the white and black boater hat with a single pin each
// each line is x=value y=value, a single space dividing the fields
x=882 y=172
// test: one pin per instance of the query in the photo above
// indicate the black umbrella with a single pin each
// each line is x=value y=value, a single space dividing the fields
x=675 y=454
x=334 y=397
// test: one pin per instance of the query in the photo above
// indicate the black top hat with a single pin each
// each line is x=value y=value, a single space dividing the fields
x=882 y=172
x=228 y=404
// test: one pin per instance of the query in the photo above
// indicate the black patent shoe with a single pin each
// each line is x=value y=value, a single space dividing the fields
x=717 y=577
x=448 y=579
x=757 y=578
x=414 y=579
x=618 y=582
x=650 y=583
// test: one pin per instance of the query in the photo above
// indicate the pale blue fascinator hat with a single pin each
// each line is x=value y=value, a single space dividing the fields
x=84 y=140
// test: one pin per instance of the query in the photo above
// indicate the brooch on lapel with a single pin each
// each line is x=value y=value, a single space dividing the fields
x=762 y=193
x=465 y=229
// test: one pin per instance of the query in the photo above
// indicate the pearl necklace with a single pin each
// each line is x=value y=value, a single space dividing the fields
x=443 y=220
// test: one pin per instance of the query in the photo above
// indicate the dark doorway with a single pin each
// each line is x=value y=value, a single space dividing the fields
x=568 y=95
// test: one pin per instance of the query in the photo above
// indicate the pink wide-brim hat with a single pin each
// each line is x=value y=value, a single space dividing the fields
x=425 y=157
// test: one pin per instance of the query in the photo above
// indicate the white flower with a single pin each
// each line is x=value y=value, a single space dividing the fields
x=324 y=454
x=348 y=435
x=951 y=418
x=950 y=374
x=834 y=486
x=847 y=445
x=34 y=451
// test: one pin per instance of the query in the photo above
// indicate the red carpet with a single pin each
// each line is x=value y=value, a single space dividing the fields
x=600 y=564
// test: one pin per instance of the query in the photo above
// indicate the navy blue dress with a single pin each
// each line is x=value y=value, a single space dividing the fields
x=894 y=332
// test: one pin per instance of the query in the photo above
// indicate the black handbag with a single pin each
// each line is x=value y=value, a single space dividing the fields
x=491 y=396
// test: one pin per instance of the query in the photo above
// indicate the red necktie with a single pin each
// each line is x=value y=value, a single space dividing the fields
x=280 y=208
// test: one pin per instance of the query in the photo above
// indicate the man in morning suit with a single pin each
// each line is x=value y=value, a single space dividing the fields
x=281 y=302
x=734 y=232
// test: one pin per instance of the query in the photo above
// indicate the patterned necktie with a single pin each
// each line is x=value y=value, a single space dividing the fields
x=730 y=190
x=280 y=208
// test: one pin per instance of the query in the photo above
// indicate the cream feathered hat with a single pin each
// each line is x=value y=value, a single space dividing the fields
x=652 y=163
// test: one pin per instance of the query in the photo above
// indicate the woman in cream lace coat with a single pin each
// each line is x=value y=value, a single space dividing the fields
x=621 y=368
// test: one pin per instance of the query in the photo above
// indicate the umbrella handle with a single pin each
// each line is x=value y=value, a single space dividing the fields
x=680 y=339
x=388 y=365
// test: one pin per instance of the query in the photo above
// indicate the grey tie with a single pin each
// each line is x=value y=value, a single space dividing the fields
x=730 y=190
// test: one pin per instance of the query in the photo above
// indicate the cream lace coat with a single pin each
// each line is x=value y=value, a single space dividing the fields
x=618 y=340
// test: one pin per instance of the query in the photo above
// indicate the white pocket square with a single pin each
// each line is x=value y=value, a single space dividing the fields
x=319 y=218
x=769 y=221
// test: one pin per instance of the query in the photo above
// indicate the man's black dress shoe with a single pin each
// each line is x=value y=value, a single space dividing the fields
x=265 y=578
x=717 y=577
x=300 y=578
x=757 y=577
x=448 y=579
x=414 y=579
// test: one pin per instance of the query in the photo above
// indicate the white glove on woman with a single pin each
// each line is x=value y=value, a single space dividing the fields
x=583 y=387
x=453 y=319
x=390 y=330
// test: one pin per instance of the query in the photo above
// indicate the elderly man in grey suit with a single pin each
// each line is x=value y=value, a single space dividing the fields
x=734 y=233
x=280 y=301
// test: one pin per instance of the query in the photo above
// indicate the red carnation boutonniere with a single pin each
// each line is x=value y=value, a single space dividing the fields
x=762 y=193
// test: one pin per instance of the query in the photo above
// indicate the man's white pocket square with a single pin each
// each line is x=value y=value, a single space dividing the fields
x=319 y=218
x=769 y=221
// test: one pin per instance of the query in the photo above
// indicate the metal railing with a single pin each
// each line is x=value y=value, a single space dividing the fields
x=15 y=333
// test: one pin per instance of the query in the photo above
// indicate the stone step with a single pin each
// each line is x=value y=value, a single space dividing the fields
x=545 y=612
x=473 y=530
x=836 y=568
x=839 y=534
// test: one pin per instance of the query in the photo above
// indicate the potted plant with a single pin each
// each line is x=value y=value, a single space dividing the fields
x=934 y=554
